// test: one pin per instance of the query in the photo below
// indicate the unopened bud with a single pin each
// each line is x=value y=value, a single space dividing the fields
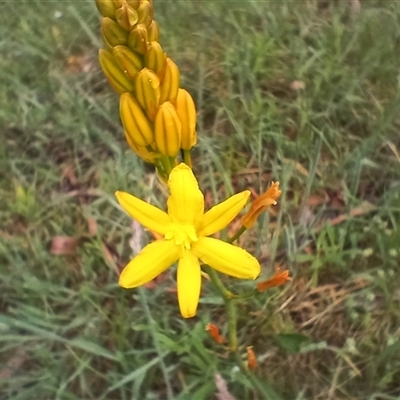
x=106 y=7
x=155 y=58
x=126 y=16
x=114 y=74
x=145 y=12
x=133 y=3
x=153 y=32
x=142 y=152
x=167 y=130
x=147 y=91
x=170 y=83
x=137 y=39
x=130 y=62
x=113 y=32
x=135 y=122
x=186 y=111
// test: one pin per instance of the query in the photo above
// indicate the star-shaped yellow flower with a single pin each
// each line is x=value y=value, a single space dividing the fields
x=186 y=229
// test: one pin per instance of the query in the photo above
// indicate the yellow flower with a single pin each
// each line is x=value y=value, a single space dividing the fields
x=185 y=229
x=260 y=204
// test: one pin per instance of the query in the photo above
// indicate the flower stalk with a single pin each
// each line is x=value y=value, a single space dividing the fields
x=159 y=124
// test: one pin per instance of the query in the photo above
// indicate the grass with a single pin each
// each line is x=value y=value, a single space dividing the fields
x=69 y=332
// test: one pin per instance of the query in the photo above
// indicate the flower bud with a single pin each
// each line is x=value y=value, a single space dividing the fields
x=126 y=16
x=135 y=122
x=113 y=32
x=137 y=39
x=114 y=73
x=147 y=91
x=134 y=3
x=167 y=130
x=186 y=111
x=155 y=58
x=106 y=7
x=142 y=152
x=130 y=62
x=153 y=32
x=145 y=12
x=170 y=83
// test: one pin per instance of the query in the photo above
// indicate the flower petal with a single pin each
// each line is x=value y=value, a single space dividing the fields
x=147 y=215
x=223 y=214
x=186 y=203
x=226 y=258
x=189 y=284
x=154 y=259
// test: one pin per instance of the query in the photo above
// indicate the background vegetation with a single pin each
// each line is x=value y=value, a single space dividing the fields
x=304 y=92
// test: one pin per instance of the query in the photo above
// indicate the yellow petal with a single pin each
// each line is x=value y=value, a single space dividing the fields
x=154 y=259
x=223 y=214
x=147 y=215
x=189 y=284
x=226 y=258
x=186 y=203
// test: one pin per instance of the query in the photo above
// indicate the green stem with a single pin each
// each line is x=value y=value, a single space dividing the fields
x=187 y=158
x=230 y=307
x=237 y=234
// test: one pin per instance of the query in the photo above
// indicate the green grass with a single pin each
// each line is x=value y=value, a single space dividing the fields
x=67 y=331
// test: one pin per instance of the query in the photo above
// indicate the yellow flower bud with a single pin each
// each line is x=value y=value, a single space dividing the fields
x=114 y=74
x=167 y=130
x=137 y=39
x=147 y=91
x=130 y=62
x=142 y=152
x=126 y=16
x=155 y=58
x=135 y=122
x=106 y=7
x=113 y=32
x=134 y=3
x=170 y=83
x=153 y=32
x=145 y=12
x=186 y=111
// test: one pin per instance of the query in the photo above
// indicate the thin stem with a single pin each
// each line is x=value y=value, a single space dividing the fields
x=237 y=234
x=187 y=158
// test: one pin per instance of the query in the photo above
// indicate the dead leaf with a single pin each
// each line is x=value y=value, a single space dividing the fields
x=69 y=174
x=222 y=387
x=63 y=245
x=364 y=208
x=298 y=166
x=297 y=85
x=355 y=6
x=13 y=364
x=92 y=226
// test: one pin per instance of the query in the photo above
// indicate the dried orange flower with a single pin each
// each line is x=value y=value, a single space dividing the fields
x=260 y=204
x=251 y=358
x=214 y=333
x=278 y=279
